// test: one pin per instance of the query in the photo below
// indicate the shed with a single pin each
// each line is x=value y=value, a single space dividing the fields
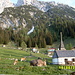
x=51 y=51
x=60 y=56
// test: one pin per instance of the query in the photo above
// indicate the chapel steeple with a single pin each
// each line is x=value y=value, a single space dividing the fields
x=61 y=47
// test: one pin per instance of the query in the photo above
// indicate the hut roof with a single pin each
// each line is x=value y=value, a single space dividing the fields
x=64 y=53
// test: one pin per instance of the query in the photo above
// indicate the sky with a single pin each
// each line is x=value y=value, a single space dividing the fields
x=68 y=2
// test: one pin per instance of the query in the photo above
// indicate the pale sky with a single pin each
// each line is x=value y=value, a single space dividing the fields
x=68 y=2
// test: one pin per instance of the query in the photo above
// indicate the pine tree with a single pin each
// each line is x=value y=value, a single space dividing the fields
x=69 y=46
x=6 y=37
x=23 y=45
x=39 y=43
x=29 y=43
x=43 y=43
x=36 y=46
x=49 y=39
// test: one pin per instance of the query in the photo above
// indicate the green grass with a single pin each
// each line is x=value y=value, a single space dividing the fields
x=4 y=52
x=24 y=68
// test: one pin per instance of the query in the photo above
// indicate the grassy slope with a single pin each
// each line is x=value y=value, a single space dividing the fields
x=24 y=68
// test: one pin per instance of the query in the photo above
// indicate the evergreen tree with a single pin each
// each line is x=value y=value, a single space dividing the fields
x=39 y=43
x=43 y=43
x=49 y=39
x=6 y=37
x=36 y=46
x=29 y=43
x=69 y=46
x=23 y=45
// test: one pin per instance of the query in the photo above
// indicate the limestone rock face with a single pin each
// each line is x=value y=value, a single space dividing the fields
x=25 y=2
x=4 y=4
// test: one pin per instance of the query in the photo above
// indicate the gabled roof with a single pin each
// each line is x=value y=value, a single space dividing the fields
x=64 y=53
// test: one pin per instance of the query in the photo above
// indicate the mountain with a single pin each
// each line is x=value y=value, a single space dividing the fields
x=31 y=2
x=25 y=2
x=62 y=11
x=5 y=4
x=41 y=5
x=30 y=12
x=21 y=16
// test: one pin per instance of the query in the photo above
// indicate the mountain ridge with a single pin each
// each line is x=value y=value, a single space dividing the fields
x=5 y=4
x=16 y=16
x=41 y=5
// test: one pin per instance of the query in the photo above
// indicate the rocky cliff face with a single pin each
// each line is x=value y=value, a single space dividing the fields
x=20 y=16
x=4 y=4
x=28 y=12
x=25 y=2
x=43 y=6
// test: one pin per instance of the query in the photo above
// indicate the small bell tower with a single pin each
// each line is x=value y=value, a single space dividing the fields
x=61 y=47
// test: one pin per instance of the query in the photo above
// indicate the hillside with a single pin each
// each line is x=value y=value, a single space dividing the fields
x=7 y=57
x=16 y=22
x=21 y=16
x=62 y=11
x=34 y=24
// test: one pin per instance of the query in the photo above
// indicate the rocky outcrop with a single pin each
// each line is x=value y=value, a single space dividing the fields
x=25 y=2
x=4 y=4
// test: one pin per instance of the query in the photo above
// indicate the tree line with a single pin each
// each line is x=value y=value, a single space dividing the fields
x=43 y=34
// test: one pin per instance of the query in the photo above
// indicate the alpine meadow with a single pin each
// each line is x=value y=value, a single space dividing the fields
x=30 y=38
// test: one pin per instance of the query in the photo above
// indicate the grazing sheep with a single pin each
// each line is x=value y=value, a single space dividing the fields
x=23 y=59
x=38 y=62
x=16 y=61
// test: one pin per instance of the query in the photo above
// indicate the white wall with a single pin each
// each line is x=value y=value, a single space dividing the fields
x=55 y=60
x=61 y=60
